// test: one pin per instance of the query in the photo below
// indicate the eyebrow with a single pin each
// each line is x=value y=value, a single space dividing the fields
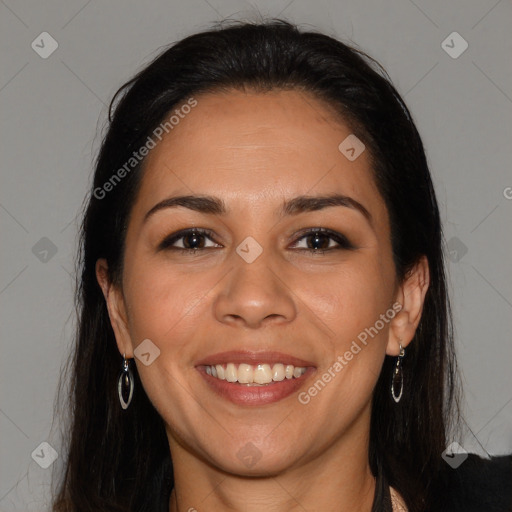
x=300 y=204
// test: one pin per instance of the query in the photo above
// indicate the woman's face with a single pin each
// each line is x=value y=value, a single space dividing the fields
x=254 y=285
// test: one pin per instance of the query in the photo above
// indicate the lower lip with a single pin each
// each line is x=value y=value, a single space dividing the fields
x=242 y=394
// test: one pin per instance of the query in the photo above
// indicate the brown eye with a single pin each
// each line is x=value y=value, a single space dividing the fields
x=188 y=240
x=319 y=240
x=193 y=240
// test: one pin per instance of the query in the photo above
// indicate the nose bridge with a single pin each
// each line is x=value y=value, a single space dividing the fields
x=253 y=292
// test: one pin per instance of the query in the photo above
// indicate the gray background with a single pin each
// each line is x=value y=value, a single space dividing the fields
x=52 y=113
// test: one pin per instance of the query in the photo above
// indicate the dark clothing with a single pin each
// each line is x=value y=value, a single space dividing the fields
x=477 y=485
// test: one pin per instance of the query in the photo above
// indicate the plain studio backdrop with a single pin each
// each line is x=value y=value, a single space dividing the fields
x=63 y=60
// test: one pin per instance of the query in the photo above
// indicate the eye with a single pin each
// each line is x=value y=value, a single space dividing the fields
x=320 y=240
x=190 y=240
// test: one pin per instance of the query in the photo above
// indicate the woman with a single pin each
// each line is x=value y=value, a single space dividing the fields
x=264 y=322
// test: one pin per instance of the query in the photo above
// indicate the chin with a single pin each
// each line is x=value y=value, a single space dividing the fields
x=254 y=461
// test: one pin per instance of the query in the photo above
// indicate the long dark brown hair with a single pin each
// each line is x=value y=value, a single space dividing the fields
x=119 y=460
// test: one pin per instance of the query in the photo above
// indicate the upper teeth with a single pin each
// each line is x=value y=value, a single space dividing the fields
x=258 y=374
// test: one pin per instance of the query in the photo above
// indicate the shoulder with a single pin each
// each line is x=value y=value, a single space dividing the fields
x=477 y=485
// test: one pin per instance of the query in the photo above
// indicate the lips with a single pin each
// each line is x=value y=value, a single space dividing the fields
x=254 y=395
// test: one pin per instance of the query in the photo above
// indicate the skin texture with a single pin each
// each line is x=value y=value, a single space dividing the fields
x=254 y=151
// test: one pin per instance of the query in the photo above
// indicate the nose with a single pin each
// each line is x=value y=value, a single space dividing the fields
x=254 y=294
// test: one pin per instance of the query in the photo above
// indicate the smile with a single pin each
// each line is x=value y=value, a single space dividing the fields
x=254 y=378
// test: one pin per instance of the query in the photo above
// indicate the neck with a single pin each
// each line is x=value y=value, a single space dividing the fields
x=338 y=478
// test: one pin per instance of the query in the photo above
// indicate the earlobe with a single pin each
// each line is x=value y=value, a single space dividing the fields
x=116 y=308
x=411 y=295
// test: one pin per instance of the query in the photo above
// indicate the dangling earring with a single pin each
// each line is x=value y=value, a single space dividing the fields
x=125 y=384
x=398 y=377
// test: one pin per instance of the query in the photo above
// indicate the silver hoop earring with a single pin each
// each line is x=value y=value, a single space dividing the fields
x=125 y=384
x=397 y=380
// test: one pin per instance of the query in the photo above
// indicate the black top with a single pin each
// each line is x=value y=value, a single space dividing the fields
x=477 y=485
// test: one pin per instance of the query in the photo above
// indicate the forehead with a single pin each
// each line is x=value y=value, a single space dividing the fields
x=253 y=150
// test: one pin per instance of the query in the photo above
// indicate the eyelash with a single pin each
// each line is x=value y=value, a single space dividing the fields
x=341 y=240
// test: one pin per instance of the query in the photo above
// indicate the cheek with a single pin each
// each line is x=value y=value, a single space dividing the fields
x=163 y=301
x=348 y=300
x=166 y=307
x=348 y=305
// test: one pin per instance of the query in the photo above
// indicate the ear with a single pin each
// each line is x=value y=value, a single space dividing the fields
x=411 y=295
x=116 y=309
